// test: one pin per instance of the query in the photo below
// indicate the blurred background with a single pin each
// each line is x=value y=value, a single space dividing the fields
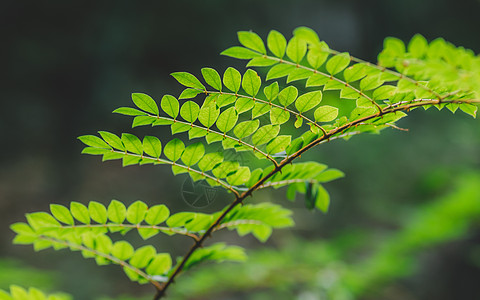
x=403 y=223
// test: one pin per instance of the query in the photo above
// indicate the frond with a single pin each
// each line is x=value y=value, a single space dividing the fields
x=19 y=293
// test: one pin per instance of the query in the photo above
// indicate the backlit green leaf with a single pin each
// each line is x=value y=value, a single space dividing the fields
x=192 y=154
x=322 y=199
x=418 y=46
x=227 y=119
x=160 y=264
x=371 y=82
x=240 y=53
x=232 y=79
x=93 y=141
x=116 y=212
x=170 y=106
x=145 y=102
x=278 y=144
x=240 y=177
x=188 y=80
x=157 y=214
x=308 y=101
x=210 y=160
x=62 y=214
x=326 y=113
x=173 y=150
x=271 y=91
x=212 y=78
x=113 y=140
x=279 y=71
x=265 y=134
x=252 y=41
x=189 y=111
x=296 y=49
x=132 y=143
x=355 y=72
x=225 y=168
x=251 y=82
x=246 y=128
x=98 y=212
x=279 y=116
x=122 y=250
x=80 y=212
x=152 y=146
x=338 y=63
x=136 y=212
x=277 y=43
x=287 y=96
x=208 y=114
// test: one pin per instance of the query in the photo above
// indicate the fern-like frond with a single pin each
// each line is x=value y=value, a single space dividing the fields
x=19 y=293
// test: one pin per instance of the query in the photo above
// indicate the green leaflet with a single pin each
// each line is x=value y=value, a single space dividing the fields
x=252 y=41
x=279 y=71
x=112 y=140
x=384 y=92
x=307 y=34
x=212 y=78
x=316 y=57
x=371 y=82
x=288 y=95
x=326 y=113
x=308 y=101
x=276 y=43
x=97 y=211
x=418 y=46
x=157 y=214
x=173 y=150
x=188 y=80
x=93 y=141
x=80 y=212
x=136 y=212
x=19 y=293
x=61 y=213
x=244 y=104
x=232 y=79
x=338 y=63
x=240 y=53
x=170 y=106
x=192 y=154
x=210 y=160
x=225 y=168
x=132 y=143
x=216 y=252
x=190 y=111
x=208 y=115
x=152 y=146
x=145 y=102
x=296 y=49
x=251 y=82
x=116 y=211
x=246 y=128
x=278 y=144
x=189 y=93
x=355 y=72
x=271 y=91
x=265 y=134
x=279 y=116
x=227 y=119
x=241 y=176
x=128 y=111
x=322 y=201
